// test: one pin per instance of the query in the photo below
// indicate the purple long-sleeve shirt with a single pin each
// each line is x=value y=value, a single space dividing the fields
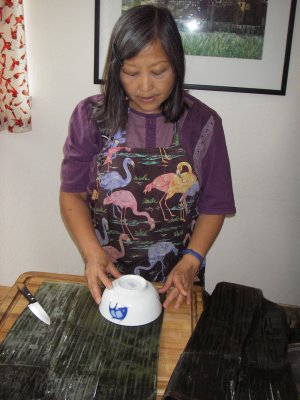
x=202 y=137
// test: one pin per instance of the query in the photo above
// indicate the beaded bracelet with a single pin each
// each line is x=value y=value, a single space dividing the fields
x=195 y=254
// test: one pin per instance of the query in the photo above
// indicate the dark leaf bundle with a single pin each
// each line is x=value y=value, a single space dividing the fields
x=238 y=351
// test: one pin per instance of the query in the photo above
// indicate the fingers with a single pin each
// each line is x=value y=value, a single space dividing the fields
x=189 y=297
x=97 y=272
x=167 y=284
x=180 y=299
x=114 y=272
x=94 y=288
x=171 y=297
x=176 y=297
x=105 y=280
x=180 y=279
x=180 y=283
x=175 y=279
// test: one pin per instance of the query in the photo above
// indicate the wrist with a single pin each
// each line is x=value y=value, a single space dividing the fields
x=198 y=259
x=93 y=255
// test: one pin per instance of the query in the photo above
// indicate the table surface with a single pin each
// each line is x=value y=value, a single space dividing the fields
x=176 y=328
x=3 y=291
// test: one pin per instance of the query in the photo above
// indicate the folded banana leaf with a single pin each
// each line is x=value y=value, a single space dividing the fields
x=80 y=355
x=294 y=359
x=292 y=313
x=238 y=351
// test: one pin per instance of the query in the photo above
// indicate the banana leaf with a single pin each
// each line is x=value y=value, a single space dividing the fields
x=80 y=355
x=238 y=351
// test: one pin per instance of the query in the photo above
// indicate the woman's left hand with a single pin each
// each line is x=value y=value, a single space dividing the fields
x=180 y=279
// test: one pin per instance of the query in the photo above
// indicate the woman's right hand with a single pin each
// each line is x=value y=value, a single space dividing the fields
x=98 y=265
x=96 y=271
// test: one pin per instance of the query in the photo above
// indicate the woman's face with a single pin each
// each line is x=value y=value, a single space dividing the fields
x=148 y=79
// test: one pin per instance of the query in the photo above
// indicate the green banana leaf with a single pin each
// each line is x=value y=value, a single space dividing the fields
x=80 y=355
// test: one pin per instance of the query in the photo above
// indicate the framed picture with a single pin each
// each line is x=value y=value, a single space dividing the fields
x=230 y=45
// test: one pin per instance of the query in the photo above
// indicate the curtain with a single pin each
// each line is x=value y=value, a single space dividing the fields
x=15 y=107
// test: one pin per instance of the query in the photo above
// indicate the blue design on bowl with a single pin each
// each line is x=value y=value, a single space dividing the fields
x=118 y=312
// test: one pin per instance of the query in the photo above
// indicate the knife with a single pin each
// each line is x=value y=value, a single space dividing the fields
x=34 y=306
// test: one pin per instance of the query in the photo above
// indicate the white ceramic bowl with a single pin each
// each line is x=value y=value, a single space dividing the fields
x=132 y=301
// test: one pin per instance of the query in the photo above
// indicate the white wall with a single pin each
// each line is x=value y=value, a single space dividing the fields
x=259 y=247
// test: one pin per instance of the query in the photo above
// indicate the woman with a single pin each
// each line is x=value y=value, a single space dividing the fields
x=146 y=178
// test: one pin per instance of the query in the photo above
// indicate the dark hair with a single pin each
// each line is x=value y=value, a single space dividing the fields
x=135 y=29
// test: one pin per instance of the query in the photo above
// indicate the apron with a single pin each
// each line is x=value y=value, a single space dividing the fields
x=145 y=206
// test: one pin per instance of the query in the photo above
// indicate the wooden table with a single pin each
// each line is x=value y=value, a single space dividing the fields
x=176 y=329
x=3 y=291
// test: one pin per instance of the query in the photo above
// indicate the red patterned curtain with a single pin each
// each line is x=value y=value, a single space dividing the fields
x=15 y=113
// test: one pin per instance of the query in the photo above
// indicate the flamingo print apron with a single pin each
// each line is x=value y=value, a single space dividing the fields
x=145 y=206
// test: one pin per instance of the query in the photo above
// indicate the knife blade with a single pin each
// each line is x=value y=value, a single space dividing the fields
x=34 y=306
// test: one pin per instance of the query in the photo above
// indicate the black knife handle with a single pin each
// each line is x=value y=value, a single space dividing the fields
x=26 y=292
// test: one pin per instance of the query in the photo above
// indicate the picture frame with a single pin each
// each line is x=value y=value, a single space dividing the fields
x=267 y=75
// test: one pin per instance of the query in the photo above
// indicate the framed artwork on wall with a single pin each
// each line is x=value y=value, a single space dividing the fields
x=230 y=45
